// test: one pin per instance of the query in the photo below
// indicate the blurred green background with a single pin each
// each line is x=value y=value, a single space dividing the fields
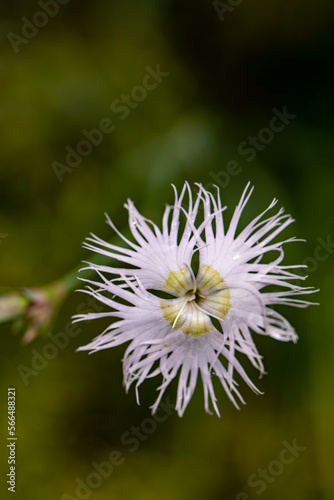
x=229 y=66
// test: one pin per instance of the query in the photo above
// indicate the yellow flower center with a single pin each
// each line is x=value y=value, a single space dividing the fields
x=196 y=300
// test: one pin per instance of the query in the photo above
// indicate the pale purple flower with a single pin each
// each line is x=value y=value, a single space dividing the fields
x=182 y=319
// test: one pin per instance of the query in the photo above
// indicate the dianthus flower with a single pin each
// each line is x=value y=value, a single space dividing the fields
x=188 y=298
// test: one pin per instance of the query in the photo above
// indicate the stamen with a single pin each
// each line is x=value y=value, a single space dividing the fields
x=179 y=314
x=200 y=299
x=191 y=272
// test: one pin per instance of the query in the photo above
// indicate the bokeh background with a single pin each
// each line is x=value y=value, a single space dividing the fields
x=230 y=64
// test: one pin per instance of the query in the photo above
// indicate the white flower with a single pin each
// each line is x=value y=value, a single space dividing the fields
x=184 y=319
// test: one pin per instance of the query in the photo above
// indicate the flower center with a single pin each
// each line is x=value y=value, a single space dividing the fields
x=197 y=300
